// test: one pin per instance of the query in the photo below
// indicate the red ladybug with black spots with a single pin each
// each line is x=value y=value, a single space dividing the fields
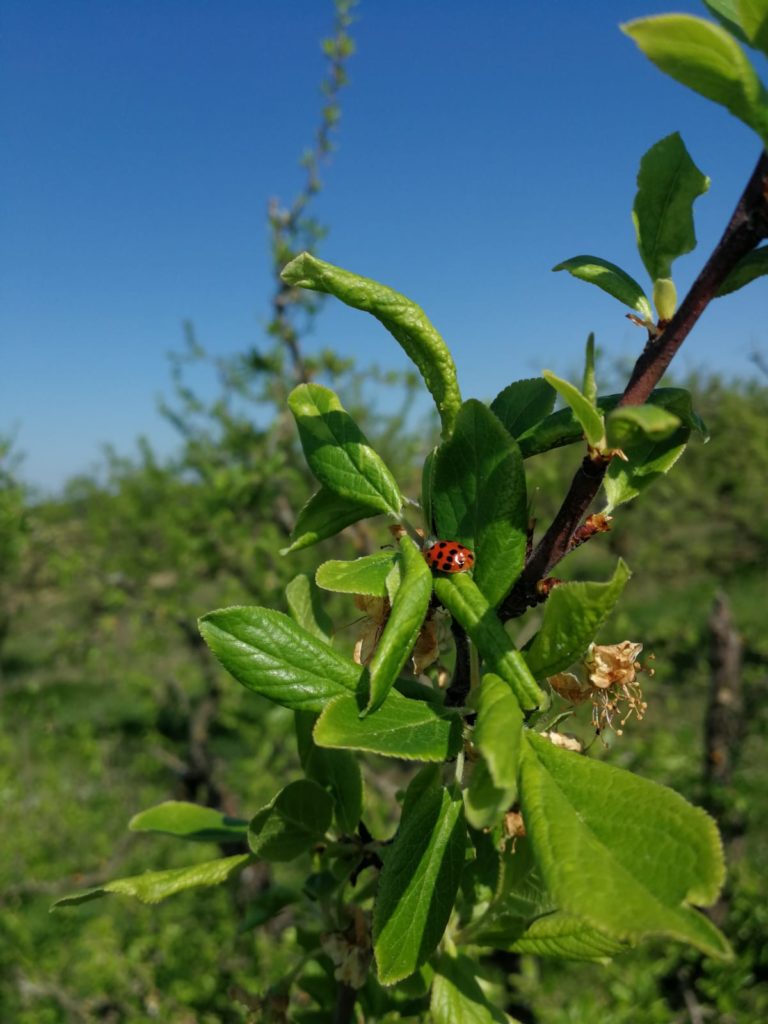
x=449 y=556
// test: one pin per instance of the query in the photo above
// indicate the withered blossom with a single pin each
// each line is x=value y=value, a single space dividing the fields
x=608 y=678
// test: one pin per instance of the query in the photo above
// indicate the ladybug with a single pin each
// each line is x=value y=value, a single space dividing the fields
x=449 y=556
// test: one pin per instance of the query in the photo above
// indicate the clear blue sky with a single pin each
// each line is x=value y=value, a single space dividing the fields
x=480 y=144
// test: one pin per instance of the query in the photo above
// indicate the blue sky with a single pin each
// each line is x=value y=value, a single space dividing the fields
x=480 y=144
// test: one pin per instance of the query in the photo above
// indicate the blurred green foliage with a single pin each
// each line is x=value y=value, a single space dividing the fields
x=105 y=685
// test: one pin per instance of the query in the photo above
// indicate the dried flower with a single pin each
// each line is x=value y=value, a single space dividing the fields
x=608 y=678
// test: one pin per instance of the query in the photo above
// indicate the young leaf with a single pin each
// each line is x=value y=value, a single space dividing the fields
x=324 y=515
x=498 y=730
x=563 y=428
x=457 y=997
x=523 y=404
x=418 y=883
x=366 y=575
x=337 y=770
x=523 y=918
x=565 y=937
x=727 y=13
x=611 y=279
x=338 y=452
x=267 y=652
x=404 y=320
x=588 y=416
x=479 y=498
x=668 y=182
x=305 y=606
x=753 y=17
x=154 y=886
x=484 y=801
x=414 y=730
x=648 y=460
x=409 y=609
x=625 y=854
x=427 y=486
x=497 y=733
x=461 y=596
x=589 y=385
x=708 y=60
x=749 y=267
x=297 y=819
x=189 y=821
x=573 y=614
x=629 y=422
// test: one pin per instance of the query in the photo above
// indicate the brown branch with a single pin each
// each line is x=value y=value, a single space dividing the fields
x=746 y=229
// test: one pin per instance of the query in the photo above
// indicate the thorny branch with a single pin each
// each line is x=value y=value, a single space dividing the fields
x=746 y=229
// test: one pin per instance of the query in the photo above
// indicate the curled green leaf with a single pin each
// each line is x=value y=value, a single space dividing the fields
x=586 y=413
x=404 y=320
x=708 y=60
x=668 y=183
x=366 y=575
x=296 y=819
x=323 y=516
x=748 y=269
x=466 y=603
x=612 y=279
x=409 y=609
x=154 y=886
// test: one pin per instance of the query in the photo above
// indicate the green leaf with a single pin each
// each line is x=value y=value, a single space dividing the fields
x=457 y=997
x=611 y=279
x=522 y=916
x=463 y=599
x=498 y=729
x=337 y=770
x=625 y=854
x=668 y=182
x=648 y=460
x=405 y=321
x=522 y=404
x=588 y=416
x=479 y=498
x=418 y=883
x=414 y=730
x=484 y=802
x=409 y=609
x=427 y=486
x=189 y=821
x=154 y=886
x=749 y=267
x=267 y=652
x=727 y=13
x=753 y=18
x=323 y=516
x=566 y=937
x=305 y=605
x=338 y=452
x=573 y=614
x=589 y=385
x=708 y=60
x=366 y=575
x=563 y=428
x=297 y=819
x=624 y=424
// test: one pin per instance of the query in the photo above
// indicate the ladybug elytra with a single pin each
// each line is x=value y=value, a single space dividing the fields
x=449 y=556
